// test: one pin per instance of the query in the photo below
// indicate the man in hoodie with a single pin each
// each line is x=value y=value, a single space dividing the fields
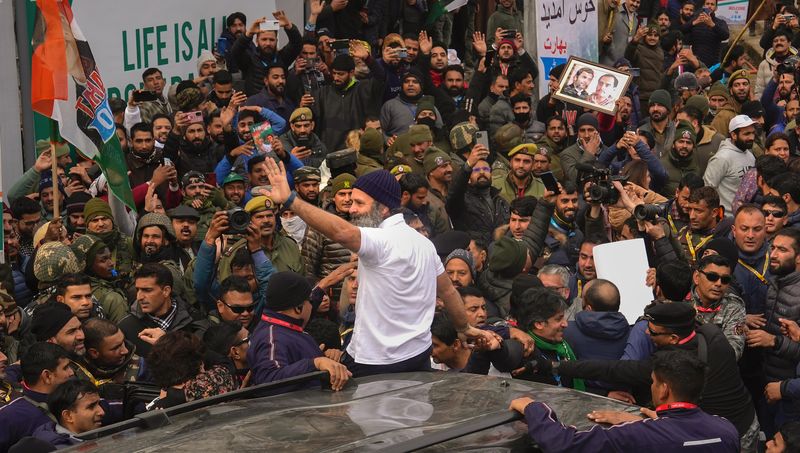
x=100 y=223
x=738 y=93
x=505 y=16
x=599 y=331
x=645 y=53
x=520 y=82
x=734 y=158
x=155 y=242
x=398 y=113
x=255 y=61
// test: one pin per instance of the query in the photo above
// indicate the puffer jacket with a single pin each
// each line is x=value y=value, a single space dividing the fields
x=677 y=167
x=708 y=141
x=320 y=254
x=476 y=211
x=783 y=301
x=650 y=61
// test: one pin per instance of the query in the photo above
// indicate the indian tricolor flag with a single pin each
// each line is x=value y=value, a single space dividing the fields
x=67 y=87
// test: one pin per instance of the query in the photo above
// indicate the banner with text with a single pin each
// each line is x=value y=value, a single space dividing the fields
x=564 y=28
x=733 y=11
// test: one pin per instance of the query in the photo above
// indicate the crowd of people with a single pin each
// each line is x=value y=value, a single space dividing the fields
x=386 y=192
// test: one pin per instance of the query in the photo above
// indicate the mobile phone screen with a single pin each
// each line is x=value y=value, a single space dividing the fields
x=550 y=182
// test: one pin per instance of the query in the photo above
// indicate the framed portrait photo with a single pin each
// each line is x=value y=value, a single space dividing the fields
x=592 y=85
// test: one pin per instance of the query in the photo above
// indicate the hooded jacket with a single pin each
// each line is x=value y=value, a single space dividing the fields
x=254 y=64
x=167 y=256
x=725 y=170
x=725 y=114
x=598 y=335
x=708 y=142
x=677 y=167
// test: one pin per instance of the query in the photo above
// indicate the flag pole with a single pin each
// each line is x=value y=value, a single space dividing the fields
x=54 y=172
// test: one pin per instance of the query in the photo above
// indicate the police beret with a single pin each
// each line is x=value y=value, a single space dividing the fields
x=672 y=315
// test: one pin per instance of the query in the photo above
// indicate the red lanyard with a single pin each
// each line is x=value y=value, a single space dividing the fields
x=282 y=323
x=688 y=339
x=666 y=407
x=702 y=309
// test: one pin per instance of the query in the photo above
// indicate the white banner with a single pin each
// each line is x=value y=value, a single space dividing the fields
x=732 y=11
x=564 y=28
x=128 y=38
x=624 y=263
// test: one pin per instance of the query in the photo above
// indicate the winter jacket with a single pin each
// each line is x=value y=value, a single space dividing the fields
x=318 y=149
x=254 y=64
x=677 y=167
x=664 y=140
x=190 y=157
x=501 y=114
x=572 y=156
x=620 y=37
x=650 y=61
x=615 y=159
x=277 y=352
x=725 y=170
x=699 y=238
x=398 y=113
x=724 y=116
x=111 y=298
x=673 y=430
x=22 y=416
x=265 y=99
x=476 y=211
x=783 y=301
x=320 y=255
x=724 y=395
x=137 y=321
x=754 y=288
x=338 y=111
x=553 y=149
x=706 y=41
x=505 y=18
x=508 y=188
x=708 y=142
x=597 y=335
x=728 y=314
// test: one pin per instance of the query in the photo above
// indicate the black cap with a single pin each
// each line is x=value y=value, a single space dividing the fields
x=448 y=241
x=49 y=319
x=341 y=158
x=672 y=315
x=183 y=212
x=287 y=290
x=753 y=109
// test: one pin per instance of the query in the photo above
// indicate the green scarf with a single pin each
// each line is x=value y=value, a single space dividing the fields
x=563 y=351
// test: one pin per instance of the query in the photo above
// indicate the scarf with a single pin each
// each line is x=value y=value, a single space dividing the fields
x=166 y=321
x=563 y=351
x=109 y=238
x=295 y=227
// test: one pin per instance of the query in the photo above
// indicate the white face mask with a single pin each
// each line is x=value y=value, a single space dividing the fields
x=296 y=227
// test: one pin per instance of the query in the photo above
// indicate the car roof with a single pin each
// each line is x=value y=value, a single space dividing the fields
x=394 y=411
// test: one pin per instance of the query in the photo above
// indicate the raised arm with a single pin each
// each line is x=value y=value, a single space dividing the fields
x=330 y=225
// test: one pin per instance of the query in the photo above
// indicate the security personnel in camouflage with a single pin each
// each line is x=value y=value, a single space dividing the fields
x=100 y=223
x=53 y=259
x=462 y=139
x=106 y=287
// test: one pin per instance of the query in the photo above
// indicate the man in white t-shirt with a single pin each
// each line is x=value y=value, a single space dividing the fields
x=399 y=276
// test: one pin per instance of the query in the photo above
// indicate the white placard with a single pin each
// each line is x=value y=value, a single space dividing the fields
x=624 y=263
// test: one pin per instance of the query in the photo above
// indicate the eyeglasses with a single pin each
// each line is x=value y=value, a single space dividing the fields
x=480 y=169
x=713 y=277
x=777 y=214
x=242 y=341
x=239 y=309
x=653 y=333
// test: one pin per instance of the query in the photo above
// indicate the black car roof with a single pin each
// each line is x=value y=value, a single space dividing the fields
x=398 y=412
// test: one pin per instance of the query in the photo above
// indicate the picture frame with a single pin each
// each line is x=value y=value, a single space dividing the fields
x=592 y=85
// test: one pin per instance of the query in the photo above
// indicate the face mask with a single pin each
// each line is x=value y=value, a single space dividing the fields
x=295 y=226
x=427 y=121
x=522 y=118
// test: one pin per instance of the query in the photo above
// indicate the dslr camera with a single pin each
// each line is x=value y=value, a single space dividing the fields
x=650 y=212
x=602 y=188
x=238 y=220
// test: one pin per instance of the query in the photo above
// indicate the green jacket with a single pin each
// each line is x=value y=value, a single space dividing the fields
x=285 y=256
x=553 y=150
x=366 y=165
x=112 y=299
x=25 y=185
x=508 y=190
x=505 y=18
x=676 y=168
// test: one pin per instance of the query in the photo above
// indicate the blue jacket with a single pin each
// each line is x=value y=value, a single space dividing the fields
x=753 y=290
x=20 y=418
x=639 y=345
x=277 y=352
x=673 y=430
x=206 y=285
x=615 y=159
x=597 y=335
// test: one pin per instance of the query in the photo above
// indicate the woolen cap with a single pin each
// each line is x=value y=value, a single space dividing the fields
x=587 y=119
x=49 y=319
x=672 y=315
x=344 y=63
x=508 y=257
x=371 y=143
x=451 y=240
x=687 y=80
x=419 y=133
x=724 y=248
x=661 y=97
x=76 y=202
x=699 y=102
x=287 y=290
x=434 y=159
x=381 y=186
x=685 y=130
x=464 y=256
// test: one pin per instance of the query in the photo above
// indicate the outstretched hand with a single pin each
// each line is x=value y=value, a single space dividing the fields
x=280 y=185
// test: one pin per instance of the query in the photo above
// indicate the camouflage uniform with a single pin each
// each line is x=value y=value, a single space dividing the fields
x=728 y=314
x=110 y=381
x=52 y=260
x=110 y=298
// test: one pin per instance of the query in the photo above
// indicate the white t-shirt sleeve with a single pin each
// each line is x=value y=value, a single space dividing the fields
x=373 y=245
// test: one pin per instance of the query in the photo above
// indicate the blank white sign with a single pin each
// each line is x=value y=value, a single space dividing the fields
x=624 y=263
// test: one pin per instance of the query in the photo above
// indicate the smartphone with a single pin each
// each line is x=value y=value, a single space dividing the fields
x=211 y=178
x=634 y=72
x=550 y=182
x=340 y=44
x=489 y=58
x=402 y=52
x=707 y=11
x=788 y=17
x=510 y=34
x=269 y=25
x=222 y=46
x=686 y=47
x=144 y=96
x=194 y=117
x=482 y=138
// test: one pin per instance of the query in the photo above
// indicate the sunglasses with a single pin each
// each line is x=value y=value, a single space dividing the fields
x=480 y=169
x=713 y=277
x=653 y=333
x=239 y=309
x=242 y=341
x=777 y=214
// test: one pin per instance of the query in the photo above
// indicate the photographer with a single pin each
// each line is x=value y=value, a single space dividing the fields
x=251 y=263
